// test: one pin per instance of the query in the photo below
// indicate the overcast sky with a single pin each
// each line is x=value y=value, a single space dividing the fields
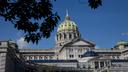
x=104 y=26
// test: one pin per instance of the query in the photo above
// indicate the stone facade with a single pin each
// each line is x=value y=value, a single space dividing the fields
x=10 y=58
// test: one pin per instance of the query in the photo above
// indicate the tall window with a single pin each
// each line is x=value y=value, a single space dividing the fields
x=57 y=36
x=74 y=35
x=78 y=35
x=65 y=36
x=79 y=56
x=70 y=36
x=71 y=56
x=60 y=36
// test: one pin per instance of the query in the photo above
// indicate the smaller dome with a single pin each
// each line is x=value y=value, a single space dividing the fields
x=90 y=54
x=122 y=43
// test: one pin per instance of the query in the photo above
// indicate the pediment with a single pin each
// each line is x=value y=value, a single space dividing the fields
x=81 y=42
x=78 y=43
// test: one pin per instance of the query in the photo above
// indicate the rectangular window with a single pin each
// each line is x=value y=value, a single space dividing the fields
x=71 y=56
x=79 y=56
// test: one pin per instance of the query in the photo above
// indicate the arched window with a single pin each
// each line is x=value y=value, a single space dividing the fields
x=70 y=36
x=78 y=34
x=75 y=35
x=60 y=36
x=57 y=37
x=65 y=36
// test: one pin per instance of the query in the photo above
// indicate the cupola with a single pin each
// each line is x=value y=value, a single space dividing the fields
x=67 y=31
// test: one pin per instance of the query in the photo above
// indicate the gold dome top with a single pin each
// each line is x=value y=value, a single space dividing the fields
x=67 y=24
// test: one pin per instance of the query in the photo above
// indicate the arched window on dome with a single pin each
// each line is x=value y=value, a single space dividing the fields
x=75 y=35
x=78 y=35
x=70 y=35
x=65 y=36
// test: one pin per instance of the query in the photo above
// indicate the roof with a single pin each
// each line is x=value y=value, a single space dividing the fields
x=53 y=61
x=89 y=54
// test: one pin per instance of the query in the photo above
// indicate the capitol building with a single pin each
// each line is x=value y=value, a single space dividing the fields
x=71 y=53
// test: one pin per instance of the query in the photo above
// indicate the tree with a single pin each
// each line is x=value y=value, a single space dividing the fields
x=45 y=68
x=94 y=3
x=34 y=17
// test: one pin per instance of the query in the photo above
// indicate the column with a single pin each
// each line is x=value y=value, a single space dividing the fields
x=99 y=64
x=104 y=64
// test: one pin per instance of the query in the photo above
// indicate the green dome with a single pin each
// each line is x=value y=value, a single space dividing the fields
x=67 y=25
x=122 y=43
